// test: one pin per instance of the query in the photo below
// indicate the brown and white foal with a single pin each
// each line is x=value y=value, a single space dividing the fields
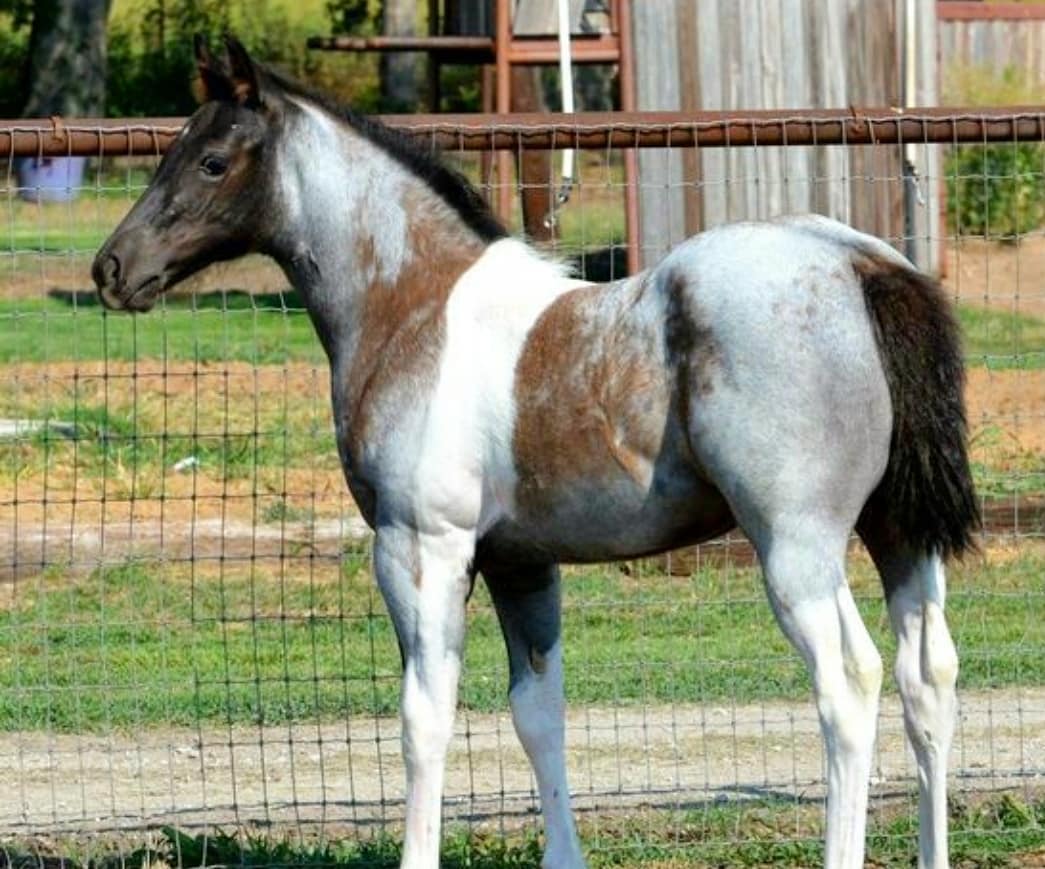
x=493 y=415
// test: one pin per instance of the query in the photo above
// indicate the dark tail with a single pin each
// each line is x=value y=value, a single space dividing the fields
x=926 y=495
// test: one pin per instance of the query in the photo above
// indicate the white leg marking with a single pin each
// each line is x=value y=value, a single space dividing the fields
x=847 y=674
x=926 y=672
x=538 y=711
x=428 y=706
x=424 y=579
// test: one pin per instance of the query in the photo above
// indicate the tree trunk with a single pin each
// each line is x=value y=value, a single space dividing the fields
x=399 y=84
x=66 y=68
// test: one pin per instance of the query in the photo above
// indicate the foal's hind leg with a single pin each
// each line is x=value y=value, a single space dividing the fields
x=528 y=606
x=926 y=672
x=806 y=584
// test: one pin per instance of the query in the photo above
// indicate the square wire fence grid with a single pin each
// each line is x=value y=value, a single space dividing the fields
x=189 y=634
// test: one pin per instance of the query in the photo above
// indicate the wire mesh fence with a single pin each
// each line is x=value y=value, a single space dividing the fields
x=189 y=635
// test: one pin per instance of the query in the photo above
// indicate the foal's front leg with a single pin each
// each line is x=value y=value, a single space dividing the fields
x=425 y=579
x=529 y=609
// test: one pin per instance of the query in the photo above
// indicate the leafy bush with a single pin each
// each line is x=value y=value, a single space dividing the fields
x=357 y=17
x=13 y=47
x=151 y=70
x=996 y=191
x=15 y=17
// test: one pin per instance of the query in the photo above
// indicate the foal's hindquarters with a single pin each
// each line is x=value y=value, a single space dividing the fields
x=797 y=429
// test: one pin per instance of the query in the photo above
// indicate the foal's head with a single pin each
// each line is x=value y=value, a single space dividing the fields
x=254 y=156
x=211 y=197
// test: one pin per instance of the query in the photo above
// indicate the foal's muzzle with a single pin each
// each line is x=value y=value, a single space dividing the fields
x=120 y=291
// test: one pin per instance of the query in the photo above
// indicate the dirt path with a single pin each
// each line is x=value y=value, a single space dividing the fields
x=1005 y=277
x=351 y=773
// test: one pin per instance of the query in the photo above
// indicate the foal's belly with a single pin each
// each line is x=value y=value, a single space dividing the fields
x=605 y=520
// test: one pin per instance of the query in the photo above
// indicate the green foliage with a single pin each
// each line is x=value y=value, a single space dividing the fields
x=357 y=17
x=14 y=45
x=151 y=66
x=19 y=11
x=996 y=191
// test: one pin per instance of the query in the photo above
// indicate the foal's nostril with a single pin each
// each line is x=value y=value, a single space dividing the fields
x=105 y=271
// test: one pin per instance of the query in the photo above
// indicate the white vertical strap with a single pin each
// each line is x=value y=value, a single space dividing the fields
x=566 y=88
x=566 y=79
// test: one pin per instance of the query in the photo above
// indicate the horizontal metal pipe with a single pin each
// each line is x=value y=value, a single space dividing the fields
x=479 y=44
x=89 y=137
x=592 y=130
x=597 y=48
x=974 y=10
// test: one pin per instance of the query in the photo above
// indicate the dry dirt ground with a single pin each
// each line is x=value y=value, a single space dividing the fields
x=351 y=772
x=1007 y=277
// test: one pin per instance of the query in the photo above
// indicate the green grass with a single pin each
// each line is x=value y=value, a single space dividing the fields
x=999 y=831
x=110 y=442
x=55 y=239
x=1000 y=339
x=1004 y=469
x=274 y=328
x=269 y=328
x=147 y=643
x=76 y=227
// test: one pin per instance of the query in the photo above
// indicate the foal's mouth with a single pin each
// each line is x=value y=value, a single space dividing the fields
x=141 y=300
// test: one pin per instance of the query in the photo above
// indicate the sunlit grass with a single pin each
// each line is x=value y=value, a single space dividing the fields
x=151 y=643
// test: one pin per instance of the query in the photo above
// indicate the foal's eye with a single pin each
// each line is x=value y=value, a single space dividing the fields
x=213 y=165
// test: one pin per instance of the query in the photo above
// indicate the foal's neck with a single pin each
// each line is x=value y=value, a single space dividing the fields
x=372 y=249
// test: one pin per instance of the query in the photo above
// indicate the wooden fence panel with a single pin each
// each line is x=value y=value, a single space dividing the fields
x=993 y=42
x=768 y=54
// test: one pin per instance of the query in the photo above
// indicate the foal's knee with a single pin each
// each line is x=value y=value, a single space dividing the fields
x=864 y=672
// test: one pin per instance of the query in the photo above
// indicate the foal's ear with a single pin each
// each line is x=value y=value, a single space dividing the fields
x=214 y=81
x=244 y=76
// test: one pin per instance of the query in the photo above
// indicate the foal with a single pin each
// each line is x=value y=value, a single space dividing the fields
x=494 y=416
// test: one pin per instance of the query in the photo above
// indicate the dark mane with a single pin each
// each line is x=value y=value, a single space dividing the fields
x=447 y=183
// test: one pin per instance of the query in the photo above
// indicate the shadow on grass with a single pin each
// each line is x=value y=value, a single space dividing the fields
x=994 y=830
x=179 y=849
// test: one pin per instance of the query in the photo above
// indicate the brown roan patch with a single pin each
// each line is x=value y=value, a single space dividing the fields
x=402 y=327
x=592 y=394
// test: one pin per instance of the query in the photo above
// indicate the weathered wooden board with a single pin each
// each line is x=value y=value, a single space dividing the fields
x=788 y=54
x=996 y=45
x=661 y=203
